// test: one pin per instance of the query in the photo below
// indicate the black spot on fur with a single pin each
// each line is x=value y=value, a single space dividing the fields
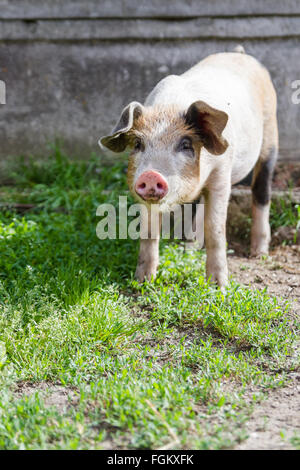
x=247 y=180
x=261 y=186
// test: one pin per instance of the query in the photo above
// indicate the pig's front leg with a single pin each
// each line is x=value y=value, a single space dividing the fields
x=149 y=247
x=216 y=203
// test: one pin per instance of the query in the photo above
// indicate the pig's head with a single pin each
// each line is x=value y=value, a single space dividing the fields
x=165 y=149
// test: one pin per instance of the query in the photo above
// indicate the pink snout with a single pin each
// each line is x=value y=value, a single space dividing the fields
x=151 y=185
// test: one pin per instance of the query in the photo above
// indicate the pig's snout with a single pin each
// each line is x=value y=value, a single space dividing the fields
x=151 y=185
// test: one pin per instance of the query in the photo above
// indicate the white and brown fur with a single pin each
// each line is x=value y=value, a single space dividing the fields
x=239 y=134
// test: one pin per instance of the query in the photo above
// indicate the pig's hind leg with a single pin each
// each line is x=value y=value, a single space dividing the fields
x=261 y=191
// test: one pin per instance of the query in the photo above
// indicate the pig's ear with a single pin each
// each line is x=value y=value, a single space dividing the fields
x=209 y=124
x=117 y=141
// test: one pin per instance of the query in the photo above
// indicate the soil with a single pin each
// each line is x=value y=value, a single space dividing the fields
x=277 y=419
x=53 y=394
x=286 y=175
x=279 y=272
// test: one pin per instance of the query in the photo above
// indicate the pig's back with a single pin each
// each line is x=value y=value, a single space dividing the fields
x=235 y=83
x=227 y=79
x=244 y=90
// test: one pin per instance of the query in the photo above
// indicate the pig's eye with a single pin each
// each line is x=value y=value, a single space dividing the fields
x=185 y=145
x=138 y=145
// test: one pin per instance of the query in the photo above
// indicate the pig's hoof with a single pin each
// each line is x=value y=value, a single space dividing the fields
x=259 y=251
x=143 y=274
x=220 y=279
x=260 y=246
x=223 y=284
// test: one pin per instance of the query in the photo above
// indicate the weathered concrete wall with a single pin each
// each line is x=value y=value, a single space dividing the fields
x=69 y=67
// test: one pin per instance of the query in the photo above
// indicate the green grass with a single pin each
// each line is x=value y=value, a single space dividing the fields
x=285 y=213
x=162 y=364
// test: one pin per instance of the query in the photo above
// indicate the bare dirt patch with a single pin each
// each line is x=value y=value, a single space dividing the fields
x=52 y=394
x=277 y=419
x=286 y=175
x=279 y=273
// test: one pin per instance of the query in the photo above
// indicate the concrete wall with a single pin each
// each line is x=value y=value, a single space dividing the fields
x=70 y=66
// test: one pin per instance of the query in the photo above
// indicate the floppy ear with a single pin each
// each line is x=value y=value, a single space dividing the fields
x=117 y=141
x=209 y=124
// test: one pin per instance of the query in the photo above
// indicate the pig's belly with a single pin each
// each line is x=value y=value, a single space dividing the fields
x=242 y=168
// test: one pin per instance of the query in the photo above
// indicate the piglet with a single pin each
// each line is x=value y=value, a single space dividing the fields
x=198 y=134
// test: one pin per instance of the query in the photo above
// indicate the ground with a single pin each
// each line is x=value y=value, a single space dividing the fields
x=276 y=421
x=89 y=359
